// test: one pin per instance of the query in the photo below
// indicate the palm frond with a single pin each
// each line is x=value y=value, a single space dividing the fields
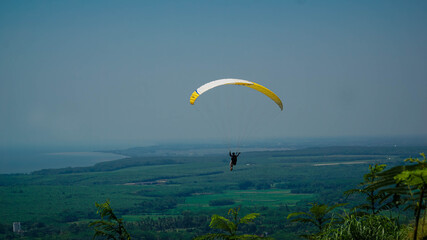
x=222 y=223
x=249 y=218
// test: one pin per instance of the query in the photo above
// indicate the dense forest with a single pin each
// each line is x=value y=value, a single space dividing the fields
x=269 y=194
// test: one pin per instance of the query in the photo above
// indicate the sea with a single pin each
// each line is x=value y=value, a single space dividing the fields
x=26 y=161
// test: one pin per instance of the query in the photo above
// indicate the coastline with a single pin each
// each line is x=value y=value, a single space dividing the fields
x=26 y=162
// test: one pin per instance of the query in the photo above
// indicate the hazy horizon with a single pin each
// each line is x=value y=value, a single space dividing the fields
x=27 y=159
x=293 y=142
x=120 y=73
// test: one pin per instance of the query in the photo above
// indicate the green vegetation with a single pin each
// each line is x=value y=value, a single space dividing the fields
x=374 y=198
x=318 y=215
x=407 y=185
x=416 y=178
x=110 y=228
x=175 y=197
x=378 y=190
x=366 y=227
x=230 y=227
x=244 y=198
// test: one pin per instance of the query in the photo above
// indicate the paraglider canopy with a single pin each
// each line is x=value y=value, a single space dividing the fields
x=231 y=81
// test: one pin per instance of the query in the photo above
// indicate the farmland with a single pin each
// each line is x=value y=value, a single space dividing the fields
x=272 y=183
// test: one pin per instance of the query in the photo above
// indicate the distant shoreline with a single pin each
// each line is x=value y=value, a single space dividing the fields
x=341 y=163
x=26 y=162
x=83 y=153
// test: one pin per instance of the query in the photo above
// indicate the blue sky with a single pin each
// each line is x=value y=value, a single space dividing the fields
x=121 y=72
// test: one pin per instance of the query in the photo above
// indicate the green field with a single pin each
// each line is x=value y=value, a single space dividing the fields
x=245 y=198
x=183 y=189
x=34 y=202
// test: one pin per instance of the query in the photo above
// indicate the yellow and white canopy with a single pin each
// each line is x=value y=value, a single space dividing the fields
x=232 y=81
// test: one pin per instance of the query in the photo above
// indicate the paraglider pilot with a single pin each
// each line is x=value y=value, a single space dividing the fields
x=233 y=160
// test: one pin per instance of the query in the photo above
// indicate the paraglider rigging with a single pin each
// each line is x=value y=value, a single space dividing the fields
x=239 y=124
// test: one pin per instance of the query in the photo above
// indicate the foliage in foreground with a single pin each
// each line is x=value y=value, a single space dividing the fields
x=230 y=227
x=367 y=227
x=112 y=228
x=409 y=183
x=319 y=215
x=416 y=178
x=374 y=198
x=402 y=184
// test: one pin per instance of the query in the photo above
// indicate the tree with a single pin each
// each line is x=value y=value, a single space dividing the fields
x=374 y=197
x=230 y=226
x=409 y=183
x=112 y=228
x=416 y=178
x=318 y=215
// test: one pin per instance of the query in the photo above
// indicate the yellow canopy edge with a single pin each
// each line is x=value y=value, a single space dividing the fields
x=193 y=97
x=268 y=93
x=249 y=84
